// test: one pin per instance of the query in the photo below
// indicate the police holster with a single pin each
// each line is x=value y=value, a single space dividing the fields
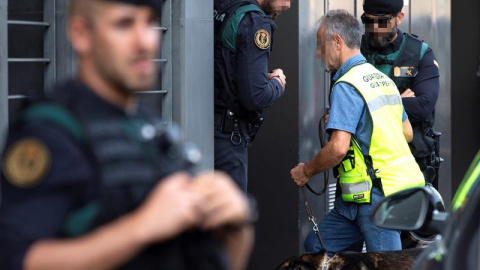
x=228 y=122
x=425 y=147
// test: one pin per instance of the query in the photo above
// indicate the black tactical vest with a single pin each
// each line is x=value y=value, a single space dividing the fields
x=403 y=72
x=405 y=66
x=131 y=154
x=225 y=90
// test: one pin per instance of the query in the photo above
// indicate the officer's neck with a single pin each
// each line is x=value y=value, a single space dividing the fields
x=111 y=94
x=393 y=39
x=346 y=54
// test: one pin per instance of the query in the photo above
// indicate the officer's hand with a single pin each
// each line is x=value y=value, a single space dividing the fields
x=325 y=118
x=222 y=202
x=279 y=76
x=298 y=175
x=171 y=208
x=408 y=93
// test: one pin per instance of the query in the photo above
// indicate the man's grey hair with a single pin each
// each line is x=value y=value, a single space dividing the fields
x=342 y=23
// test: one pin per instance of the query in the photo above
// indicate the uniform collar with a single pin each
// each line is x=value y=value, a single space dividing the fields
x=351 y=62
x=76 y=91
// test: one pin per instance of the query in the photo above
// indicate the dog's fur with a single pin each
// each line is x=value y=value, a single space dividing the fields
x=348 y=260
x=313 y=261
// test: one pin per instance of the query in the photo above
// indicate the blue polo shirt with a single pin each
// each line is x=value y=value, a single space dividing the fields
x=348 y=111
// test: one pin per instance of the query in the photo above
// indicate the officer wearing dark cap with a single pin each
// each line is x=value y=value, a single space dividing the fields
x=411 y=64
x=243 y=85
x=92 y=180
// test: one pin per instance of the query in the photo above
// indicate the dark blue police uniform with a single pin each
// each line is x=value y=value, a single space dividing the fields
x=243 y=42
x=76 y=162
x=418 y=71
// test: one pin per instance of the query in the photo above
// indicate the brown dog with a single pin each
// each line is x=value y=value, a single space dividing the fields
x=348 y=260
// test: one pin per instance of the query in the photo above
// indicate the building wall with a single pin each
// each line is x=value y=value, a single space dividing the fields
x=274 y=152
x=431 y=21
x=192 y=57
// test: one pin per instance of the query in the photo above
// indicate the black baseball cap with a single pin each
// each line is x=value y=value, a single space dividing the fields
x=382 y=7
x=155 y=4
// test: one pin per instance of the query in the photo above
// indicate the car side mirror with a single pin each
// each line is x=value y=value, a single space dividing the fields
x=410 y=210
x=405 y=210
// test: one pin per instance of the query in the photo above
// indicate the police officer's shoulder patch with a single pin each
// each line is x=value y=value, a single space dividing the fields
x=262 y=39
x=26 y=162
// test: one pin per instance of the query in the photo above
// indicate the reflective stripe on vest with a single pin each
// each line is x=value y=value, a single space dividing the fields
x=389 y=151
x=355 y=183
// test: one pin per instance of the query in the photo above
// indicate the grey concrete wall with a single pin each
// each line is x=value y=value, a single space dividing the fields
x=192 y=51
x=431 y=20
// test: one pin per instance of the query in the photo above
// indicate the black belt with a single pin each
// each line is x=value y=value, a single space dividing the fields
x=226 y=121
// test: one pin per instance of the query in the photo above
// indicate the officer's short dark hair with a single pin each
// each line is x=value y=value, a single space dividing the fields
x=382 y=7
x=87 y=7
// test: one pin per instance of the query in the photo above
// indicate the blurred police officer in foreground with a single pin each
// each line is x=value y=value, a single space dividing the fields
x=411 y=64
x=243 y=85
x=91 y=181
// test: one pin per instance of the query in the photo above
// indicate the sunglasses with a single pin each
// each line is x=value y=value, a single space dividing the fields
x=381 y=21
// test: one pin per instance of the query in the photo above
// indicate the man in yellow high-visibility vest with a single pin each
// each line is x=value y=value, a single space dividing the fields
x=368 y=146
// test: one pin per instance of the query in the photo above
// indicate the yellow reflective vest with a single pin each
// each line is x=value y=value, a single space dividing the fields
x=388 y=163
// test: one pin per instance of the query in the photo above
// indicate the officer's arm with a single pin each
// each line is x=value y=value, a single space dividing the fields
x=229 y=213
x=255 y=90
x=407 y=130
x=330 y=155
x=346 y=108
x=115 y=243
x=426 y=88
x=239 y=244
x=32 y=219
x=106 y=248
x=38 y=211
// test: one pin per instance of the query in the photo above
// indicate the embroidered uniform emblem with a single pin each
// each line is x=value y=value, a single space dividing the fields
x=262 y=39
x=410 y=71
x=26 y=162
x=396 y=71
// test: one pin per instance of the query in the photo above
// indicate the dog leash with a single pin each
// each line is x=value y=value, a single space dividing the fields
x=312 y=218
x=321 y=137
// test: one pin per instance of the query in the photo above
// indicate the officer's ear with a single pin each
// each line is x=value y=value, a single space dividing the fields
x=399 y=18
x=79 y=31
